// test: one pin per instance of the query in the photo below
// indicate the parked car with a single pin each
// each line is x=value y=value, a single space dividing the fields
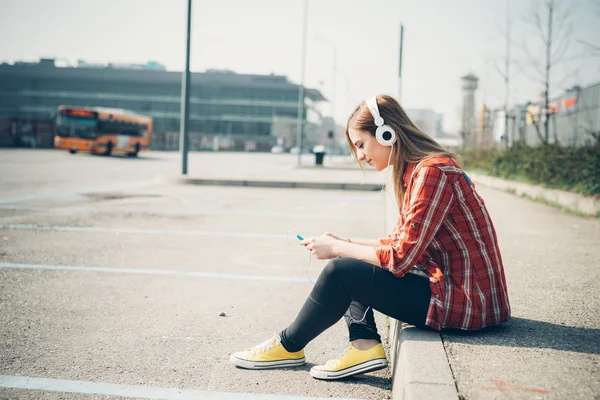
x=277 y=149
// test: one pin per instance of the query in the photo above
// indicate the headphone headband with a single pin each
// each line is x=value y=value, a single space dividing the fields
x=372 y=105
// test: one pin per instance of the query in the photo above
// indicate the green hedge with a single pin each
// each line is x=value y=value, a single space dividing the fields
x=569 y=168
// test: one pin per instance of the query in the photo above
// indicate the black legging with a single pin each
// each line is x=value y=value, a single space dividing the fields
x=348 y=285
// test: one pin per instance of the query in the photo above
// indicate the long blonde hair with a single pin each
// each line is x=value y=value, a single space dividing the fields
x=412 y=144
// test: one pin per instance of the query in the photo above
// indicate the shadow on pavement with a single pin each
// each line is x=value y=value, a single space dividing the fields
x=141 y=157
x=522 y=332
x=368 y=379
x=363 y=379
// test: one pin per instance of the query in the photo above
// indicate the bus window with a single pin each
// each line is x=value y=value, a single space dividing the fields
x=76 y=127
x=112 y=127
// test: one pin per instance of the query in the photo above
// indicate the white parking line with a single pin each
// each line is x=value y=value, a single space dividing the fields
x=136 y=391
x=289 y=235
x=142 y=231
x=365 y=197
x=165 y=211
x=146 y=271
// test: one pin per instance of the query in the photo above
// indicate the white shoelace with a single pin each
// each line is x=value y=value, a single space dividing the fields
x=266 y=345
x=335 y=361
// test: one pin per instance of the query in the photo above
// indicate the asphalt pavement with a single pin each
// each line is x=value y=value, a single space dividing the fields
x=114 y=280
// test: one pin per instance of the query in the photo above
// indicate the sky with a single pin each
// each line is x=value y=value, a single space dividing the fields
x=443 y=40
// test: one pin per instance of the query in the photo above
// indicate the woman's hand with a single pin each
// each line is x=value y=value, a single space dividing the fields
x=328 y=246
x=322 y=247
x=336 y=237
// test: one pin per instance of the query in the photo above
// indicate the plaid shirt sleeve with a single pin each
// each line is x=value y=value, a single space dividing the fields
x=429 y=201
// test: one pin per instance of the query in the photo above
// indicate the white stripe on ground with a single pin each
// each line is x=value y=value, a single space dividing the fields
x=135 y=391
x=289 y=235
x=145 y=271
x=144 y=231
x=116 y=211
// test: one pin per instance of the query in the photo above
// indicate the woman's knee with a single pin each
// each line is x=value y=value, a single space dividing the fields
x=333 y=269
x=332 y=276
x=338 y=268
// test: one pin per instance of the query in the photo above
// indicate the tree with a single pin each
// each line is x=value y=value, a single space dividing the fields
x=552 y=22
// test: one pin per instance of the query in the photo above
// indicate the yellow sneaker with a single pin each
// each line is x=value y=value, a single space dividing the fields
x=269 y=354
x=352 y=362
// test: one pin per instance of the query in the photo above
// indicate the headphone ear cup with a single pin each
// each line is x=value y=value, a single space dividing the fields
x=382 y=138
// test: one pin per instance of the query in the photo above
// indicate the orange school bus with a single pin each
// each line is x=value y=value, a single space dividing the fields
x=102 y=130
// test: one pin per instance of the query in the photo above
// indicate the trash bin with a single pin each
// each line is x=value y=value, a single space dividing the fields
x=319 y=158
x=319 y=151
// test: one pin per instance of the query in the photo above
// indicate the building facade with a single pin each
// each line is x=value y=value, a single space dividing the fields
x=427 y=120
x=574 y=120
x=228 y=111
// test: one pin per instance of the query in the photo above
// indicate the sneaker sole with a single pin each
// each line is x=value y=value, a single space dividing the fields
x=367 y=366
x=266 y=364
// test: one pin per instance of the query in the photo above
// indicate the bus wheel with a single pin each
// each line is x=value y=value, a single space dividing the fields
x=136 y=151
x=109 y=147
x=72 y=151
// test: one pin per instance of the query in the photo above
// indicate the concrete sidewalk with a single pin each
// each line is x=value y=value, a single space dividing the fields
x=280 y=171
x=551 y=346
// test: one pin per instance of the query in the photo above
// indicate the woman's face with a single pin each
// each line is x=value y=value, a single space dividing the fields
x=369 y=150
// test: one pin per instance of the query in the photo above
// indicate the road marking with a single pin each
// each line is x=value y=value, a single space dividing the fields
x=60 y=228
x=317 y=197
x=146 y=271
x=115 y=211
x=289 y=235
x=136 y=391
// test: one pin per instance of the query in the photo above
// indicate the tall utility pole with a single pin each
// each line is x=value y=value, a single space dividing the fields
x=469 y=86
x=185 y=98
x=400 y=63
x=549 y=65
x=334 y=78
x=507 y=76
x=300 y=131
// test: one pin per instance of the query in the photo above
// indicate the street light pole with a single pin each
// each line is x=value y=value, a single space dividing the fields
x=400 y=64
x=185 y=98
x=333 y=90
x=300 y=130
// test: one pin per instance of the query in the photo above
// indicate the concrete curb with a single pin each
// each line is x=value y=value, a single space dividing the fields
x=572 y=201
x=420 y=368
x=371 y=187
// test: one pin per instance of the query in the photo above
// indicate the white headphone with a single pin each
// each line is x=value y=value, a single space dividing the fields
x=384 y=134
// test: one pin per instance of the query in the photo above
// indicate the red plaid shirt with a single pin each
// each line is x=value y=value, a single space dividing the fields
x=445 y=231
